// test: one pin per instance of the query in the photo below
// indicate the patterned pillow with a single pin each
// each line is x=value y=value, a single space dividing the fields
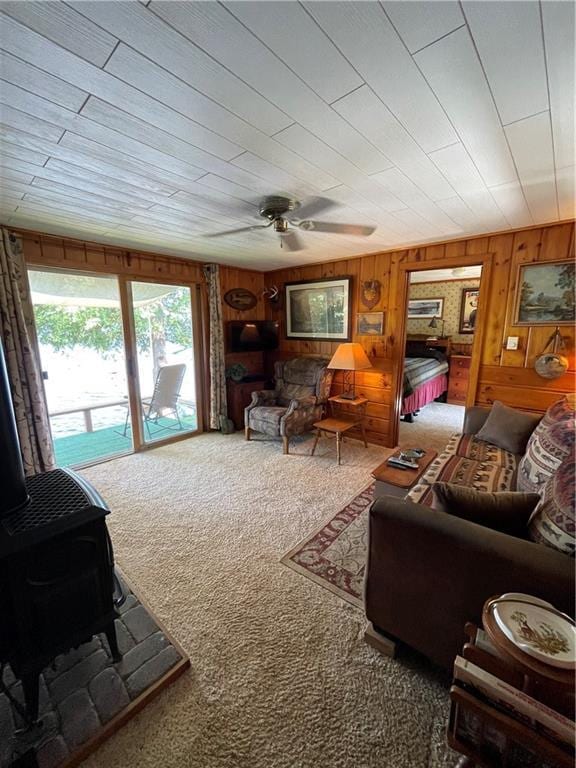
x=553 y=521
x=550 y=443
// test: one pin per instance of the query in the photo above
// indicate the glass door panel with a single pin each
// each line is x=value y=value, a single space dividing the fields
x=80 y=336
x=164 y=336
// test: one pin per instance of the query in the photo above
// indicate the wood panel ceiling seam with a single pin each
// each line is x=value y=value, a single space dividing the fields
x=184 y=47
x=457 y=134
x=309 y=109
x=518 y=178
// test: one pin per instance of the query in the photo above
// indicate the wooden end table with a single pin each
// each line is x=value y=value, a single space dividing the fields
x=393 y=481
x=346 y=414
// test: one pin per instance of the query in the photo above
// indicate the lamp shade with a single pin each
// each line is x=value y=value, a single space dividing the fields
x=433 y=323
x=350 y=357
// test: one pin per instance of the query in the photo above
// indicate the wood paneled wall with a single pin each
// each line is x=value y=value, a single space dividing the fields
x=65 y=253
x=503 y=375
x=253 y=281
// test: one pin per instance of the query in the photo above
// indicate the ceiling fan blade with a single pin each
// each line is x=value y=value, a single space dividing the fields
x=315 y=205
x=292 y=242
x=237 y=231
x=360 y=230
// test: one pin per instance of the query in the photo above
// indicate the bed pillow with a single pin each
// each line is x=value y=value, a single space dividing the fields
x=507 y=512
x=508 y=428
x=420 y=349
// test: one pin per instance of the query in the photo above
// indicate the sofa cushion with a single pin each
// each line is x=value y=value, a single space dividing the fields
x=470 y=447
x=298 y=379
x=506 y=512
x=550 y=443
x=448 y=468
x=508 y=428
x=553 y=521
x=266 y=419
x=289 y=392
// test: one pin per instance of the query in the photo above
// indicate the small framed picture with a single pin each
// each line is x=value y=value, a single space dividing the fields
x=425 y=309
x=370 y=323
x=468 y=310
x=545 y=294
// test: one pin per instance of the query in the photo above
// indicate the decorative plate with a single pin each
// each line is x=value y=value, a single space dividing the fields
x=537 y=628
x=240 y=298
x=551 y=365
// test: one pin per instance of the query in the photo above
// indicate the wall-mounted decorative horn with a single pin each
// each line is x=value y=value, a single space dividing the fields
x=274 y=296
x=271 y=293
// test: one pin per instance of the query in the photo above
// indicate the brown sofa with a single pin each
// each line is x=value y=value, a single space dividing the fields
x=429 y=572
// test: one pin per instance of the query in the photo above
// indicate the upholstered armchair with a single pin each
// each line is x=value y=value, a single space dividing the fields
x=298 y=400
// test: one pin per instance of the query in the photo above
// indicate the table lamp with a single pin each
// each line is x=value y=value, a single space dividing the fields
x=349 y=358
x=434 y=324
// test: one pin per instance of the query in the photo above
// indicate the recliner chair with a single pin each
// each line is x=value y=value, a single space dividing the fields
x=298 y=400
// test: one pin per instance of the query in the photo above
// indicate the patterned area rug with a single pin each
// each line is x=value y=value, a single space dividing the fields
x=335 y=555
x=84 y=696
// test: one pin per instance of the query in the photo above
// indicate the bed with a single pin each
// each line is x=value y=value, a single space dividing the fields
x=425 y=377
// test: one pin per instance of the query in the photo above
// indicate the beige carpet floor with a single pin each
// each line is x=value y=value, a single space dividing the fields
x=281 y=677
x=432 y=427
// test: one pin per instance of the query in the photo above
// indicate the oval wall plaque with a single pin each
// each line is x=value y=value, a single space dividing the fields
x=240 y=298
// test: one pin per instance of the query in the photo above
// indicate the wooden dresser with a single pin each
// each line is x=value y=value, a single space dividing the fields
x=458 y=379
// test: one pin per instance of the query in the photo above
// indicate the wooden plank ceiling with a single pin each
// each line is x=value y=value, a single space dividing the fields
x=152 y=124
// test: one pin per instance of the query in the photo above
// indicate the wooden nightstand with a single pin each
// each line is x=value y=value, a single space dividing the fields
x=458 y=379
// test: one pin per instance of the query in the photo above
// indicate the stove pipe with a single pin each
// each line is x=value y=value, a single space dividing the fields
x=13 y=492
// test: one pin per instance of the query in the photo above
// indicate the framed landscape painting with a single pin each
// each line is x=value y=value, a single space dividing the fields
x=425 y=308
x=370 y=323
x=319 y=309
x=545 y=294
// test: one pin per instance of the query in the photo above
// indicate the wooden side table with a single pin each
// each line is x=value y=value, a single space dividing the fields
x=347 y=414
x=393 y=481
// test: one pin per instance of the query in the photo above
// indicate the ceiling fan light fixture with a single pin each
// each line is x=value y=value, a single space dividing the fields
x=278 y=210
x=307 y=226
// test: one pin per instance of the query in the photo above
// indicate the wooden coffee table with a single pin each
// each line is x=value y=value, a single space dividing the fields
x=393 y=481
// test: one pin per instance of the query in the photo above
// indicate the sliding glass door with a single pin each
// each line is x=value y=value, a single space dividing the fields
x=166 y=369
x=80 y=335
x=119 y=362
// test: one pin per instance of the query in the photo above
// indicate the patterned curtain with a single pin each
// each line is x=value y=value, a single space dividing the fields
x=18 y=336
x=218 y=405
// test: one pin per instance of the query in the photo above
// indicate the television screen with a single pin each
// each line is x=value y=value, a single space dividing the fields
x=252 y=335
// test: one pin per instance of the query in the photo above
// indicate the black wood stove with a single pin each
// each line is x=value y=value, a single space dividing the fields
x=56 y=562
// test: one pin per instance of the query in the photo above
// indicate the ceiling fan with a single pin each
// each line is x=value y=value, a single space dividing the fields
x=281 y=214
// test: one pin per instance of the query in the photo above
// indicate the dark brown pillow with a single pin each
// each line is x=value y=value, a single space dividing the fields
x=507 y=512
x=508 y=428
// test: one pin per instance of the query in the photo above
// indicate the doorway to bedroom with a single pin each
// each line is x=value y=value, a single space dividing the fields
x=442 y=317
